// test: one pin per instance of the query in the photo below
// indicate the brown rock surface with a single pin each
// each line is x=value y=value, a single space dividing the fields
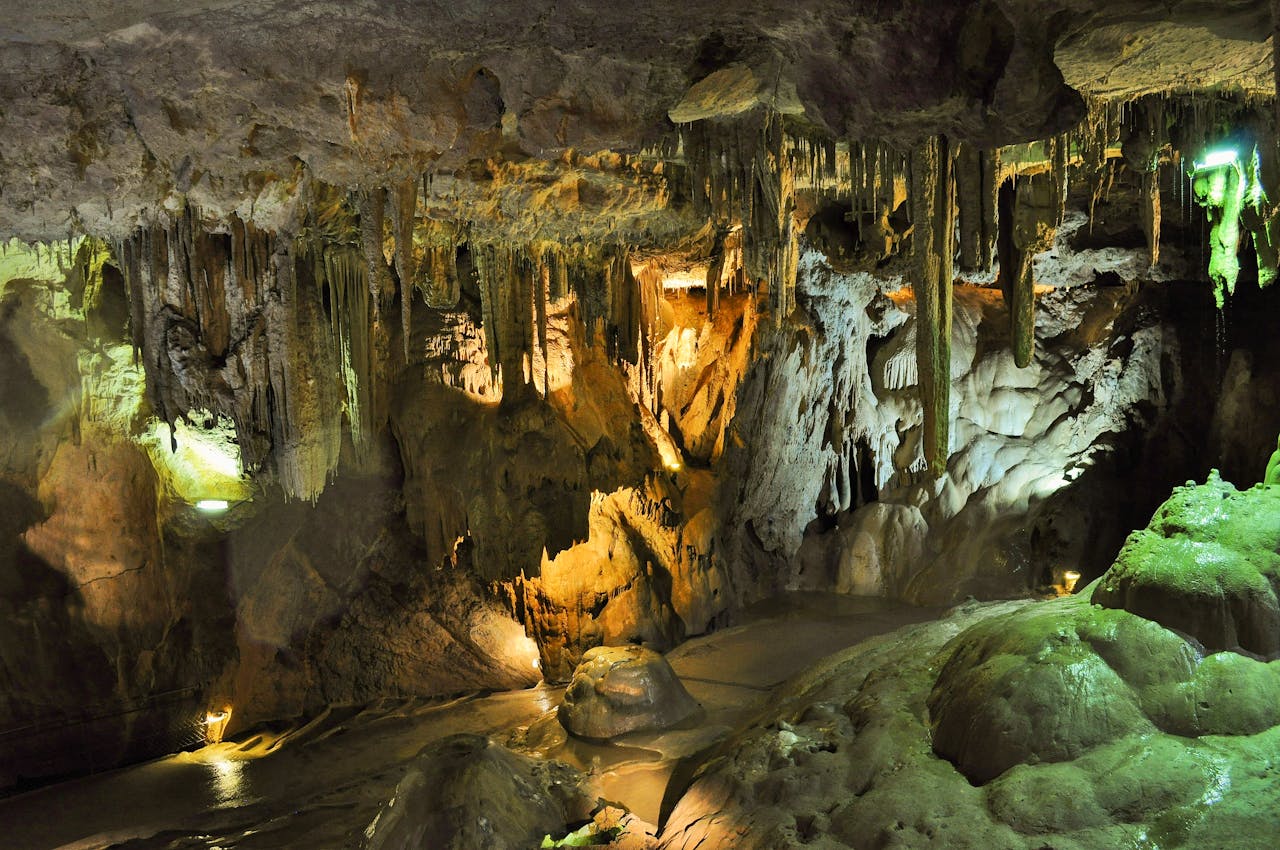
x=621 y=689
x=466 y=792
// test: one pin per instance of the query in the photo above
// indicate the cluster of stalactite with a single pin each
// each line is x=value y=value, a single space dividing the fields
x=290 y=334
x=876 y=185
x=223 y=324
x=519 y=283
x=744 y=174
x=1240 y=192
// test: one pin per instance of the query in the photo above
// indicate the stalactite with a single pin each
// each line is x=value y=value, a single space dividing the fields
x=1149 y=207
x=1275 y=64
x=1261 y=216
x=306 y=406
x=222 y=324
x=1091 y=141
x=1141 y=150
x=541 y=294
x=491 y=264
x=1028 y=223
x=438 y=272
x=345 y=271
x=977 y=172
x=773 y=248
x=1060 y=174
x=934 y=216
x=745 y=172
x=371 y=204
x=715 y=274
x=403 y=211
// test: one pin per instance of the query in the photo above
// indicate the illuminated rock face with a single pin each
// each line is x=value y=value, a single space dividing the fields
x=1208 y=566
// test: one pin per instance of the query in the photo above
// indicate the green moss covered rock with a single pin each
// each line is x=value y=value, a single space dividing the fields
x=1207 y=566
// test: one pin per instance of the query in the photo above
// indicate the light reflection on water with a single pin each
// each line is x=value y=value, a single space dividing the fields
x=229 y=783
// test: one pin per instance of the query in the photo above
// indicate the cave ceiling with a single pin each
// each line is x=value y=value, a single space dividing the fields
x=112 y=110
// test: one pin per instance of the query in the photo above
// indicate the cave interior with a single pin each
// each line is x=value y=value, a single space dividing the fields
x=541 y=423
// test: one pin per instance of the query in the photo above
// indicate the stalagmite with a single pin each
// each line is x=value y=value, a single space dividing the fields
x=933 y=213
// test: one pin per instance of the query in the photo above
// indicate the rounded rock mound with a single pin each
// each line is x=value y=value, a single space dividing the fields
x=621 y=689
x=1207 y=567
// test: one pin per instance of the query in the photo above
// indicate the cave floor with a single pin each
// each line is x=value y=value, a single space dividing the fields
x=320 y=784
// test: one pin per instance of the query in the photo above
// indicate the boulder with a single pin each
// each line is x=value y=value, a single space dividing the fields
x=465 y=792
x=621 y=689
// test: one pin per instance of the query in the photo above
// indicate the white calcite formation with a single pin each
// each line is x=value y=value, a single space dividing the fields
x=830 y=418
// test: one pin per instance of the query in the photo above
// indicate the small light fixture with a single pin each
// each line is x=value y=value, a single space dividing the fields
x=212 y=506
x=1069 y=579
x=215 y=725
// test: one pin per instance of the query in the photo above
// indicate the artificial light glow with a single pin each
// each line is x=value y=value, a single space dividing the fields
x=212 y=505
x=215 y=725
x=685 y=279
x=198 y=461
x=1065 y=581
x=1218 y=158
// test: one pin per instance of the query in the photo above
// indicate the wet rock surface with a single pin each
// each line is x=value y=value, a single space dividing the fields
x=400 y=350
x=1208 y=566
x=467 y=792
x=1009 y=725
x=621 y=689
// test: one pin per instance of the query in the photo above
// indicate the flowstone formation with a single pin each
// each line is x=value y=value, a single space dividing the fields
x=1030 y=723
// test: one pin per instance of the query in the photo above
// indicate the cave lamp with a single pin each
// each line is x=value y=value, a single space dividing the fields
x=215 y=725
